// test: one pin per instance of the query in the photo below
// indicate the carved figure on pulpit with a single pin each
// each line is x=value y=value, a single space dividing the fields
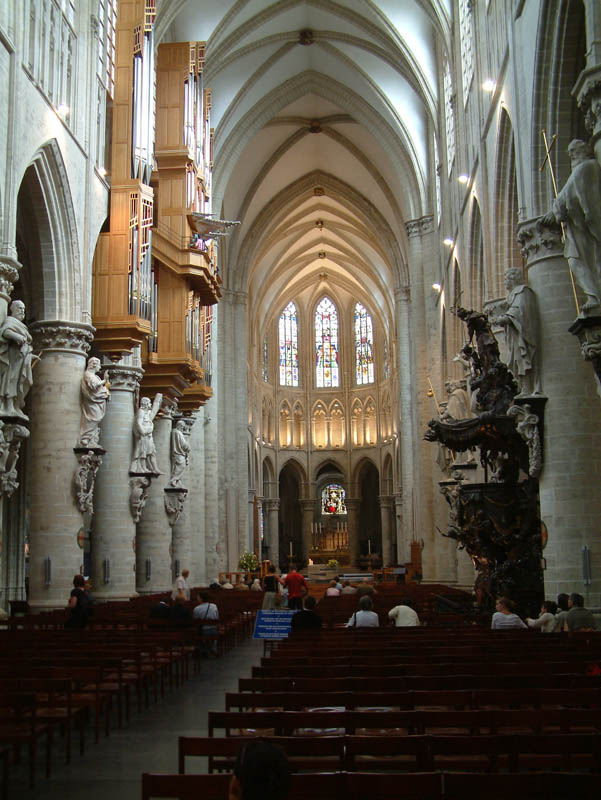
x=578 y=206
x=93 y=398
x=16 y=357
x=180 y=449
x=144 y=461
x=520 y=321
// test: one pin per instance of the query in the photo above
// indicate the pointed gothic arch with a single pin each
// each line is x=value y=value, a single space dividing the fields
x=507 y=250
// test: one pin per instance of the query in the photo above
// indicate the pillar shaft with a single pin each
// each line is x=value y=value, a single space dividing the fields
x=153 y=532
x=54 y=554
x=308 y=510
x=113 y=541
x=352 y=508
x=570 y=500
x=272 y=507
x=388 y=530
x=182 y=529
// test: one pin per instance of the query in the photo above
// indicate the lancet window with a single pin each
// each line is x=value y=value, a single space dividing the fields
x=449 y=114
x=285 y=425
x=364 y=346
x=320 y=428
x=357 y=424
x=327 y=368
x=333 y=499
x=370 y=422
x=288 y=340
x=143 y=98
x=336 y=425
x=466 y=40
x=298 y=431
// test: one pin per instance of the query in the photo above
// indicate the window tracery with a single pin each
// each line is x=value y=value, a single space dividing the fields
x=449 y=114
x=320 y=429
x=466 y=41
x=336 y=425
x=333 y=499
x=327 y=374
x=288 y=340
x=364 y=346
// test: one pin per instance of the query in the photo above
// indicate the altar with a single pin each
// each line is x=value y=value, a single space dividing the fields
x=329 y=542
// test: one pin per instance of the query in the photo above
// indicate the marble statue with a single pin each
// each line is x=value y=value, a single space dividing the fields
x=144 y=460
x=458 y=405
x=92 y=400
x=16 y=358
x=180 y=448
x=520 y=321
x=578 y=206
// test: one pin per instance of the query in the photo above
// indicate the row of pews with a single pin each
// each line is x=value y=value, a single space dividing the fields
x=419 y=713
x=64 y=682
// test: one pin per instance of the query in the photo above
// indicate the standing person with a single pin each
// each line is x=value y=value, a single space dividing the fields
x=579 y=618
x=181 y=585
x=307 y=619
x=504 y=617
x=271 y=585
x=404 y=616
x=78 y=604
x=295 y=583
x=365 y=617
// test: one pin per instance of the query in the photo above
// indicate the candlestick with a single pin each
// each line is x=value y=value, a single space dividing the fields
x=290 y=549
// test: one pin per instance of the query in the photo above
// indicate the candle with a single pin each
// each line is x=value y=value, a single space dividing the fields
x=290 y=548
x=368 y=547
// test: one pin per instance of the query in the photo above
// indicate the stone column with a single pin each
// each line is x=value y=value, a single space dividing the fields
x=570 y=500
x=272 y=507
x=214 y=546
x=352 y=508
x=182 y=529
x=398 y=525
x=55 y=521
x=113 y=540
x=406 y=425
x=153 y=533
x=388 y=529
x=308 y=510
x=196 y=499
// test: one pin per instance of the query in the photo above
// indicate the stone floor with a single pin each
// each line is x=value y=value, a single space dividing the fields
x=111 y=769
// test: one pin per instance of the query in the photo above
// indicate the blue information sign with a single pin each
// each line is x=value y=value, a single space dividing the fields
x=272 y=624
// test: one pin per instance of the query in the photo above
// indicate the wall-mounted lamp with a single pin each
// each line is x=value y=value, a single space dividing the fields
x=148 y=568
x=106 y=570
x=586 y=565
x=463 y=178
x=436 y=287
x=448 y=241
x=489 y=86
x=176 y=567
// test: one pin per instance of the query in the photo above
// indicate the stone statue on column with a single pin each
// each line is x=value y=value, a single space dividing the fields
x=93 y=399
x=16 y=356
x=578 y=207
x=521 y=324
x=180 y=448
x=144 y=460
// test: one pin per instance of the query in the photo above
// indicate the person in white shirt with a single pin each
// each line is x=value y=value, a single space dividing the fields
x=546 y=619
x=404 y=616
x=365 y=617
x=181 y=587
x=205 y=612
x=504 y=617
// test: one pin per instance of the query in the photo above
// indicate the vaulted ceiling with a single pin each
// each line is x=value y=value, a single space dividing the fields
x=324 y=116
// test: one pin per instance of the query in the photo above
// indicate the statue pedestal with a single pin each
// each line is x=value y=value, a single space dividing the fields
x=588 y=332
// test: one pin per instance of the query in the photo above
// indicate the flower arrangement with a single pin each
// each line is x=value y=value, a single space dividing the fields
x=248 y=562
x=332 y=564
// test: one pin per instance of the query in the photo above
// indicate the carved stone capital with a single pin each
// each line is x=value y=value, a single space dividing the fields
x=9 y=274
x=175 y=497
x=89 y=459
x=11 y=437
x=188 y=420
x=539 y=240
x=271 y=504
x=417 y=227
x=588 y=331
x=62 y=337
x=138 y=495
x=527 y=427
x=402 y=294
x=124 y=379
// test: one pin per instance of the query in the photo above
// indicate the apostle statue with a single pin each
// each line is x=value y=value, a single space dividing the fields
x=458 y=404
x=180 y=448
x=578 y=206
x=16 y=358
x=520 y=321
x=94 y=395
x=144 y=461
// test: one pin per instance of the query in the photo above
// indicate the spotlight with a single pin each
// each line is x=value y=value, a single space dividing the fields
x=489 y=86
x=448 y=242
x=436 y=287
x=463 y=178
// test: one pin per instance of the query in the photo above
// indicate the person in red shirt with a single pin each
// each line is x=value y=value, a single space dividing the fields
x=295 y=582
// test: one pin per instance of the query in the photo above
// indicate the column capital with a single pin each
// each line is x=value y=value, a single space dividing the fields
x=124 y=379
x=539 y=240
x=307 y=503
x=588 y=92
x=9 y=274
x=62 y=337
x=417 y=227
x=402 y=294
x=271 y=503
x=386 y=500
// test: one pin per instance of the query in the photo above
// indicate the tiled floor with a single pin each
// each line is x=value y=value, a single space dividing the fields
x=111 y=769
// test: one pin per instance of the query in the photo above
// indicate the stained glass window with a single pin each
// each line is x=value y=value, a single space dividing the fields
x=289 y=346
x=332 y=499
x=466 y=38
x=449 y=113
x=326 y=345
x=364 y=346
x=265 y=361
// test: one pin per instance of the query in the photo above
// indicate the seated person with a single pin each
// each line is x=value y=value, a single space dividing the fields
x=162 y=610
x=404 y=616
x=546 y=620
x=348 y=589
x=365 y=617
x=179 y=610
x=332 y=590
x=307 y=619
x=366 y=588
x=504 y=617
x=205 y=612
x=579 y=618
x=563 y=606
x=261 y=772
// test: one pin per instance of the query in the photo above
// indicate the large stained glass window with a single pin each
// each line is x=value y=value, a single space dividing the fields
x=332 y=499
x=289 y=346
x=326 y=345
x=364 y=346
